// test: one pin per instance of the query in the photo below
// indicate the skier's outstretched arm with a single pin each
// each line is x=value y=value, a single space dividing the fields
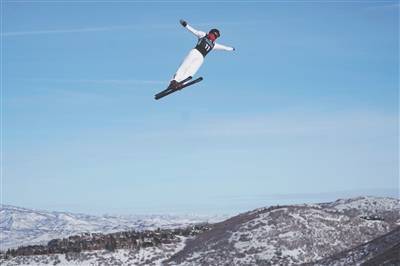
x=198 y=33
x=222 y=47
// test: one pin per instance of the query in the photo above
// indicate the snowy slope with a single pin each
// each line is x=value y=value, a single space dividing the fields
x=364 y=205
x=291 y=234
x=20 y=226
x=384 y=249
x=143 y=257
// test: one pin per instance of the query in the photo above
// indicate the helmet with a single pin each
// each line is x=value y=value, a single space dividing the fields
x=215 y=32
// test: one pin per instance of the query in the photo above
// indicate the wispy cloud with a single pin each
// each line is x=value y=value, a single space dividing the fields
x=386 y=7
x=99 y=81
x=293 y=125
x=121 y=27
x=58 y=31
x=67 y=89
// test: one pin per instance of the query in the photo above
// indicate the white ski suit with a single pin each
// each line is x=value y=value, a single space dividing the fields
x=195 y=58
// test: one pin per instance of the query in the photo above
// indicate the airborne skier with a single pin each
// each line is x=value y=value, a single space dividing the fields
x=194 y=60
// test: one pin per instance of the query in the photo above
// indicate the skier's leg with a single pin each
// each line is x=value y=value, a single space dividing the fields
x=189 y=65
x=195 y=66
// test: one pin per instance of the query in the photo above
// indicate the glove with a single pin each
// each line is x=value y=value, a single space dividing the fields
x=233 y=49
x=183 y=23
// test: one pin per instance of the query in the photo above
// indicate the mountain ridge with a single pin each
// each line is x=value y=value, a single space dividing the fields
x=286 y=234
x=331 y=233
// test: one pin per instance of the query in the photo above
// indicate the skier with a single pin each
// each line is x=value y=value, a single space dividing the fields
x=193 y=61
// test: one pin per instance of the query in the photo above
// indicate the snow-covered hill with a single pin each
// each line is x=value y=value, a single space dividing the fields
x=21 y=226
x=149 y=256
x=292 y=234
x=354 y=231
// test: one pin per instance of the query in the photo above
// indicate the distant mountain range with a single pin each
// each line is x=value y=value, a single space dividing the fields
x=362 y=230
x=22 y=226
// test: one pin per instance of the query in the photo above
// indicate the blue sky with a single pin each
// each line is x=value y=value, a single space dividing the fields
x=305 y=109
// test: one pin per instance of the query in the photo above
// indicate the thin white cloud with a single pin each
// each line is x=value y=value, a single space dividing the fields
x=387 y=7
x=86 y=29
x=121 y=27
x=289 y=124
x=58 y=31
x=67 y=87
x=122 y=81
x=292 y=124
x=99 y=81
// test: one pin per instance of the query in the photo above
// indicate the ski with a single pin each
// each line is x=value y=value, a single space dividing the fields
x=169 y=90
x=183 y=85
x=190 y=83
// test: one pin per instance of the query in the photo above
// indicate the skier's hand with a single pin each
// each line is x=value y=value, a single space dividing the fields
x=183 y=23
